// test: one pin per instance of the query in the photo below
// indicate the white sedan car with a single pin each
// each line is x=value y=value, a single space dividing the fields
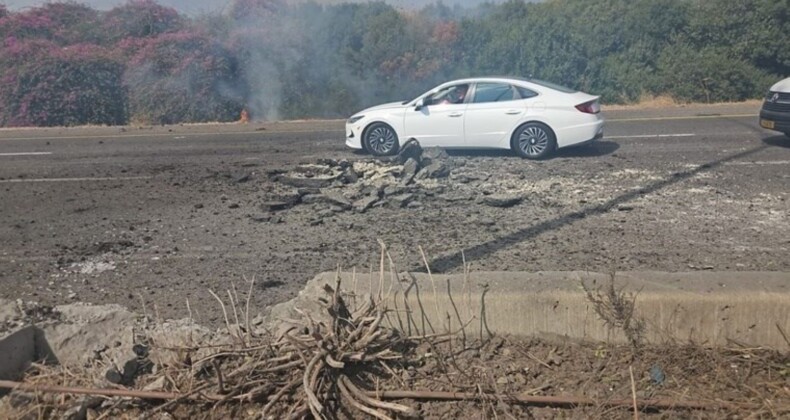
x=531 y=117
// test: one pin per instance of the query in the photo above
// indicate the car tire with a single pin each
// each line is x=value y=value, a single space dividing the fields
x=380 y=139
x=534 y=141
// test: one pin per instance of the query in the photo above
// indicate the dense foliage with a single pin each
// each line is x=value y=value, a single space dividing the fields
x=66 y=64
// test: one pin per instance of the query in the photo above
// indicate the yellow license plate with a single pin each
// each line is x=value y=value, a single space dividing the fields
x=766 y=124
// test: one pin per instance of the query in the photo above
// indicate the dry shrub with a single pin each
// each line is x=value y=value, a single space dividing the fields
x=616 y=308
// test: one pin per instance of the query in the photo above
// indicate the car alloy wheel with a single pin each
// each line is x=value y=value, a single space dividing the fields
x=534 y=141
x=380 y=140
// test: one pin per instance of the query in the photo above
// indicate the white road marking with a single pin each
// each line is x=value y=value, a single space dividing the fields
x=121 y=136
x=26 y=154
x=760 y=162
x=647 y=136
x=22 y=180
x=689 y=117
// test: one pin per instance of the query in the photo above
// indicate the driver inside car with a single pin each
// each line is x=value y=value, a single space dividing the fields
x=455 y=95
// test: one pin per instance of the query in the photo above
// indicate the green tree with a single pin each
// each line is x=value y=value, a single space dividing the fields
x=709 y=75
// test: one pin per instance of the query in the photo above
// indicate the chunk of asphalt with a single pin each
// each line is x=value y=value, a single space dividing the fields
x=275 y=205
x=432 y=154
x=400 y=200
x=335 y=198
x=365 y=203
x=410 y=168
x=410 y=150
x=502 y=200
x=350 y=176
x=301 y=181
x=434 y=170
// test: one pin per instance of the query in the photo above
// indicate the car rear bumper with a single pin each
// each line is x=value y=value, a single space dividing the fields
x=580 y=134
x=597 y=137
x=775 y=120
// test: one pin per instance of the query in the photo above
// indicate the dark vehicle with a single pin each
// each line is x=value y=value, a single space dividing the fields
x=775 y=114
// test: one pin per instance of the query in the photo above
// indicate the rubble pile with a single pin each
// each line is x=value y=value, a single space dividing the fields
x=408 y=180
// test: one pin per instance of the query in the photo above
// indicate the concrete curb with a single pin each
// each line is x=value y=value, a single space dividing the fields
x=17 y=351
x=99 y=337
x=710 y=308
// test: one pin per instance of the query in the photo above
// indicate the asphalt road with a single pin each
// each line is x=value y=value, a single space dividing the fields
x=128 y=154
x=162 y=214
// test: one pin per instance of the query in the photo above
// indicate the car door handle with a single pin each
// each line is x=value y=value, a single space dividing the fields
x=513 y=112
x=455 y=114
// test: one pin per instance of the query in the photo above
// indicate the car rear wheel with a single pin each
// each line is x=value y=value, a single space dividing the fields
x=533 y=141
x=380 y=140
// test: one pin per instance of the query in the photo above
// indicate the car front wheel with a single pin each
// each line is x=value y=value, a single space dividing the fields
x=533 y=141
x=380 y=140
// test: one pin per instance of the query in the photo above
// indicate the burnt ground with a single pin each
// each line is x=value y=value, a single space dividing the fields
x=165 y=214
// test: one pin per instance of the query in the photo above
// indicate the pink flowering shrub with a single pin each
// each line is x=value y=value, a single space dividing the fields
x=44 y=84
x=182 y=77
x=63 y=23
x=140 y=19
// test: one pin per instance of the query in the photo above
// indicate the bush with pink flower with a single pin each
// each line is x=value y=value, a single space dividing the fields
x=44 y=84
x=182 y=76
x=140 y=19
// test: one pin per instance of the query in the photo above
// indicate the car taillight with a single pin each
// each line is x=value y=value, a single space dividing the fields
x=592 y=107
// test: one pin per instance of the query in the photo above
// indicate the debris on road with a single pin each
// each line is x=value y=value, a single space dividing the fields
x=405 y=181
x=502 y=200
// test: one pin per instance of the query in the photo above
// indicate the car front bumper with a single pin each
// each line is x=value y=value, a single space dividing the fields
x=354 y=136
x=775 y=120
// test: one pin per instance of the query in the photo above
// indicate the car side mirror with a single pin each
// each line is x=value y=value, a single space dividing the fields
x=419 y=104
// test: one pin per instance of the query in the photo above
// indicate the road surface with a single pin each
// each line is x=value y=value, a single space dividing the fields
x=162 y=215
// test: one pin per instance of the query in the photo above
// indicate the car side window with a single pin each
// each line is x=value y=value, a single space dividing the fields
x=494 y=92
x=455 y=94
x=526 y=93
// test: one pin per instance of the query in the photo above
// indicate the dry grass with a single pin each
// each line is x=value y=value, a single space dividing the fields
x=616 y=308
x=668 y=102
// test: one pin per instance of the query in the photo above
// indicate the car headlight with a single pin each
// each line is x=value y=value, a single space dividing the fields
x=355 y=118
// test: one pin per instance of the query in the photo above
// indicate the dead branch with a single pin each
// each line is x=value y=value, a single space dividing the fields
x=127 y=393
x=568 y=402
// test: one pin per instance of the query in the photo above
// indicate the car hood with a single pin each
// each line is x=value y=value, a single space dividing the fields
x=391 y=105
x=782 y=86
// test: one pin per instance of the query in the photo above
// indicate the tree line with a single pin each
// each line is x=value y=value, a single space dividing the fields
x=68 y=64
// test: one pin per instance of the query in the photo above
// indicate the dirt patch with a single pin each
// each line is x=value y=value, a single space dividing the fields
x=17 y=314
